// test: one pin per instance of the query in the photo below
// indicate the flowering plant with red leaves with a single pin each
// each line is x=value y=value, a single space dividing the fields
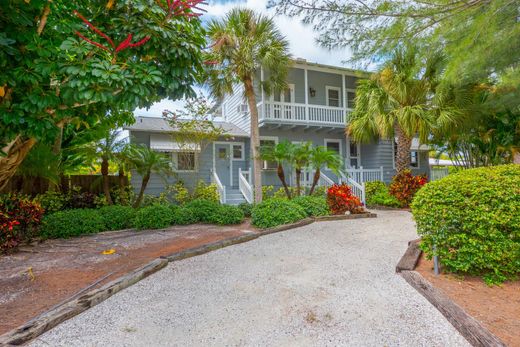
x=340 y=200
x=404 y=186
x=19 y=220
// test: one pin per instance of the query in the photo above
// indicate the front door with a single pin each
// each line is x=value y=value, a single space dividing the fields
x=223 y=163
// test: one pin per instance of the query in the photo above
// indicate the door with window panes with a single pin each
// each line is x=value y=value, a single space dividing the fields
x=282 y=106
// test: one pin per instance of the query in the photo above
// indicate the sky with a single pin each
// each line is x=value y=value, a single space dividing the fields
x=301 y=39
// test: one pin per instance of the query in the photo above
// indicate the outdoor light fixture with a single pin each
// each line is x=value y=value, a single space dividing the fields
x=312 y=92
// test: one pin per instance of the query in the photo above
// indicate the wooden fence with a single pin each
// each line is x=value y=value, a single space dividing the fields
x=36 y=185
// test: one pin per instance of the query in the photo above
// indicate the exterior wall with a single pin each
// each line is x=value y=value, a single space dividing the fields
x=230 y=112
x=319 y=80
x=205 y=165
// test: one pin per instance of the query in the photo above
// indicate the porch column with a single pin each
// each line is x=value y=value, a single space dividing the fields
x=262 y=106
x=306 y=95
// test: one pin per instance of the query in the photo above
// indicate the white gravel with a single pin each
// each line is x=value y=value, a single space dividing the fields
x=325 y=284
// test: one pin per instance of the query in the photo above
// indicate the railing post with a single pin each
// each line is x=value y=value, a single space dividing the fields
x=381 y=175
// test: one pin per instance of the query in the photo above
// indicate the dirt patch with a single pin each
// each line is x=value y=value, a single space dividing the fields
x=42 y=276
x=497 y=308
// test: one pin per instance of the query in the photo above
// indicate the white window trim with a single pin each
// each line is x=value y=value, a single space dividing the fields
x=290 y=86
x=335 y=141
x=241 y=144
x=327 y=88
x=348 y=90
x=175 y=161
x=268 y=138
x=411 y=150
x=358 y=157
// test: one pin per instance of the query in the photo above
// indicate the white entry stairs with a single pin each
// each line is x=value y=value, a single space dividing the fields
x=234 y=196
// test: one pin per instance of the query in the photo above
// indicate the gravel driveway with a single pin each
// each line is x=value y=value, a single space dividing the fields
x=325 y=284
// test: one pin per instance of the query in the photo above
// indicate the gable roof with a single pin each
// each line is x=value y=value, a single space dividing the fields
x=160 y=125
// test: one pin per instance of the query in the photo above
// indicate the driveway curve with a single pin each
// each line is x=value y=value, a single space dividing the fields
x=325 y=284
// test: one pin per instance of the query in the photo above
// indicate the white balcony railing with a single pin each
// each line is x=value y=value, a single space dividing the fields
x=361 y=175
x=302 y=113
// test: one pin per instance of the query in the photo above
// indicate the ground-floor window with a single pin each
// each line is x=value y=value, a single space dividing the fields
x=269 y=141
x=184 y=161
x=414 y=157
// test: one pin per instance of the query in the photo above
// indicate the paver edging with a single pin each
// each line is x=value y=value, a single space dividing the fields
x=49 y=319
x=471 y=329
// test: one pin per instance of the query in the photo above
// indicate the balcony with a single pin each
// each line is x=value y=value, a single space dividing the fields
x=303 y=114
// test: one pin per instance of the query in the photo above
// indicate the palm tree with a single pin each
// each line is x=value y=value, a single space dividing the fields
x=397 y=101
x=281 y=153
x=108 y=149
x=320 y=157
x=241 y=44
x=146 y=161
x=301 y=159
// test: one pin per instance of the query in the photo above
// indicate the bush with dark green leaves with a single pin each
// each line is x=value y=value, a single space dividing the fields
x=182 y=215
x=203 y=210
x=64 y=224
x=117 y=217
x=153 y=217
x=472 y=219
x=246 y=208
x=227 y=215
x=273 y=212
x=377 y=194
x=314 y=206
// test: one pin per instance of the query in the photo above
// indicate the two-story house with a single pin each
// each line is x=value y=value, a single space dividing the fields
x=315 y=107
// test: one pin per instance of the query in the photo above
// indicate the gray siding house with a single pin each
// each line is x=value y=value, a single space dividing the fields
x=314 y=108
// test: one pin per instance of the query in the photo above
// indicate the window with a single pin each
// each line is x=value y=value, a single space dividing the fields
x=333 y=145
x=333 y=96
x=269 y=141
x=353 y=154
x=351 y=98
x=222 y=153
x=414 y=157
x=238 y=152
x=184 y=161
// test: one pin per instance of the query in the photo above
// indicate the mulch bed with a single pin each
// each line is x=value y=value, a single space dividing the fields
x=497 y=307
x=39 y=277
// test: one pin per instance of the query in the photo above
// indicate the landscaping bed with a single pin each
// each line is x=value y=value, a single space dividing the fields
x=61 y=268
x=496 y=307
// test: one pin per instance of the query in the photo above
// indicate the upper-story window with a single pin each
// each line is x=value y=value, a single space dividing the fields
x=333 y=96
x=286 y=96
x=351 y=98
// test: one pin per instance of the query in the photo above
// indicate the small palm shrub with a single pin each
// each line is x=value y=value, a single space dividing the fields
x=226 y=215
x=314 y=206
x=472 y=218
x=273 y=212
x=153 y=217
x=65 y=224
x=341 y=200
x=404 y=186
x=117 y=217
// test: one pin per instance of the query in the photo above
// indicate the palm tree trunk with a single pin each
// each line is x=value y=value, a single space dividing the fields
x=255 y=139
x=16 y=151
x=516 y=158
x=315 y=180
x=281 y=176
x=106 y=183
x=121 y=176
x=298 y=180
x=144 y=183
x=404 y=144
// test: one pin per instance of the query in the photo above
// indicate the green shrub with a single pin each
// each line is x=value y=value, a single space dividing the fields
x=473 y=219
x=246 y=208
x=273 y=212
x=203 y=209
x=226 y=215
x=153 y=217
x=314 y=206
x=151 y=200
x=182 y=215
x=52 y=201
x=205 y=191
x=320 y=191
x=373 y=188
x=377 y=194
x=64 y=224
x=117 y=217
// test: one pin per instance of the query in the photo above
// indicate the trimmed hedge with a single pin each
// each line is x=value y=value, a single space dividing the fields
x=182 y=215
x=314 y=206
x=117 y=217
x=153 y=217
x=473 y=219
x=203 y=210
x=226 y=215
x=273 y=212
x=247 y=208
x=64 y=224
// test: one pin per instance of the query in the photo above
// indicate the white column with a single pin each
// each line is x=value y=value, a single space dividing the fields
x=306 y=95
x=344 y=91
x=262 y=107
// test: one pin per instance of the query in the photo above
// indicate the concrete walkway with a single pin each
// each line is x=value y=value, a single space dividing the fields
x=325 y=284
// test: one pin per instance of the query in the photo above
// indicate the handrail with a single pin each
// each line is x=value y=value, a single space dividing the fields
x=220 y=187
x=245 y=187
x=365 y=175
x=327 y=179
x=357 y=188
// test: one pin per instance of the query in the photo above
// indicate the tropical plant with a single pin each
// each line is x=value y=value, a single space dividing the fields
x=241 y=45
x=314 y=206
x=301 y=160
x=341 y=200
x=321 y=157
x=404 y=185
x=146 y=161
x=274 y=212
x=65 y=62
x=281 y=153
x=397 y=102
